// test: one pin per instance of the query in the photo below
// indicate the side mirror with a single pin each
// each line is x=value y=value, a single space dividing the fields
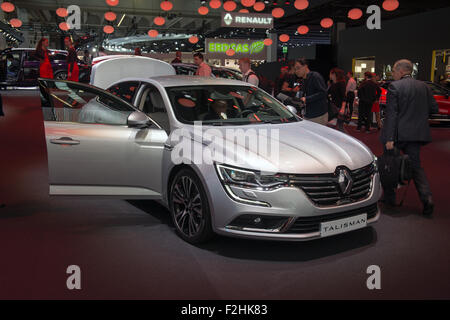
x=138 y=119
x=292 y=109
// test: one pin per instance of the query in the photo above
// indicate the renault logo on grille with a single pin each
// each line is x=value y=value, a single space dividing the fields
x=345 y=181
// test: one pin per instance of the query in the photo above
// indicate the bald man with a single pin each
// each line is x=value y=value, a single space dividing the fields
x=409 y=104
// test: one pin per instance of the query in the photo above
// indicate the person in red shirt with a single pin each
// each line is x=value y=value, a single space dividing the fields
x=45 y=67
x=72 y=61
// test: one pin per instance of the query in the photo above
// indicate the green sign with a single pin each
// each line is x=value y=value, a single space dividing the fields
x=217 y=48
x=249 y=48
x=285 y=49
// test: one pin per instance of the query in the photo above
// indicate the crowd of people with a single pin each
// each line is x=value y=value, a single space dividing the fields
x=335 y=98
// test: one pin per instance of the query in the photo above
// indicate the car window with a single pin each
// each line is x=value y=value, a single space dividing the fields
x=57 y=56
x=224 y=104
x=184 y=70
x=125 y=90
x=31 y=56
x=152 y=104
x=69 y=102
x=10 y=65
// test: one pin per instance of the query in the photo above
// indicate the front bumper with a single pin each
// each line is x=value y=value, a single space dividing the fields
x=289 y=203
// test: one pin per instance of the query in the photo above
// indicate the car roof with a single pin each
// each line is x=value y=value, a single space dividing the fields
x=184 y=80
x=33 y=49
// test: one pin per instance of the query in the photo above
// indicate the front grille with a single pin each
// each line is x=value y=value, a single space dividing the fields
x=312 y=224
x=324 y=190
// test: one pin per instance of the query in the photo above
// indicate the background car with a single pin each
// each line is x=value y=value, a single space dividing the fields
x=218 y=72
x=23 y=69
x=441 y=95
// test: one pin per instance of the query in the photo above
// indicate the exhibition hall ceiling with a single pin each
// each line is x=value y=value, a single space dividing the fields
x=136 y=17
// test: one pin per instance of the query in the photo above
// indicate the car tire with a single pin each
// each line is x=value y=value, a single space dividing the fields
x=189 y=208
x=62 y=75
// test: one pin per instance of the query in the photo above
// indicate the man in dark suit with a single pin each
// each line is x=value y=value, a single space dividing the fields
x=367 y=94
x=409 y=104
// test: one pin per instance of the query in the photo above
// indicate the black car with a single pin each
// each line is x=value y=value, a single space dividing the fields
x=19 y=67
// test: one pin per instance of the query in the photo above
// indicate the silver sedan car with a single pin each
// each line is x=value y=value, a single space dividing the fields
x=199 y=146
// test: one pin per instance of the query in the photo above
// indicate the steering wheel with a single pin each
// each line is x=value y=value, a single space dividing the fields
x=244 y=113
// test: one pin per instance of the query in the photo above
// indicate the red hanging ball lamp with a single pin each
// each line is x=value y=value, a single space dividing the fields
x=268 y=42
x=62 y=12
x=278 y=12
x=203 y=10
x=259 y=6
x=284 y=37
x=152 y=33
x=64 y=26
x=8 y=7
x=193 y=39
x=390 y=5
x=159 y=21
x=110 y=16
x=248 y=3
x=326 y=23
x=301 y=4
x=230 y=52
x=303 y=29
x=112 y=3
x=229 y=5
x=16 y=23
x=166 y=5
x=108 y=29
x=355 y=14
x=215 y=4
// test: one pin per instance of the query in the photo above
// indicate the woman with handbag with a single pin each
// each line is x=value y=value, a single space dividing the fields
x=337 y=98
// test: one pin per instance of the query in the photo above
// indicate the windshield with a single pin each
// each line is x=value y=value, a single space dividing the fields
x=226 y=105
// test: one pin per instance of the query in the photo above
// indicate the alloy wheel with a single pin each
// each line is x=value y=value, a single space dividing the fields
x=187 y=206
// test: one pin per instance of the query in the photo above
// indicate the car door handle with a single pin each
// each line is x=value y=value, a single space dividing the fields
x=168 y=147
x=65 y=141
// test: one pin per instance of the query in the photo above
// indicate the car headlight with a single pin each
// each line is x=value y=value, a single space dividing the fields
x=250 y=179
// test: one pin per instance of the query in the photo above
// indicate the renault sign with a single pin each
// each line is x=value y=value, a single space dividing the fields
x=247 y=20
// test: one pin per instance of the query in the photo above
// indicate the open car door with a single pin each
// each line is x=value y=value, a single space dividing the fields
x=96 y=147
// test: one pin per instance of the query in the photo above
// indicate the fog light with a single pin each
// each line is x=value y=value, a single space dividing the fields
x=250 y=222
